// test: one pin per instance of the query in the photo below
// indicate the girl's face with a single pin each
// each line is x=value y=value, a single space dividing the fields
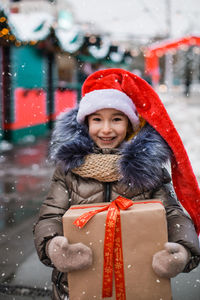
x=108 y=127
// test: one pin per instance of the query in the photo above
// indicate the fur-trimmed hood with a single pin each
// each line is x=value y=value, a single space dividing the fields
x=141 y=162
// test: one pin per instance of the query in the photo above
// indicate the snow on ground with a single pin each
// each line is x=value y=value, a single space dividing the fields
x=185 y=113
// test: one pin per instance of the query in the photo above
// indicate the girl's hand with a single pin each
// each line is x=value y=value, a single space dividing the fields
x=66 y=257
x=170 y=261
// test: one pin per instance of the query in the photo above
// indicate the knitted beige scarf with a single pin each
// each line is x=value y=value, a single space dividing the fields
x=102 y=167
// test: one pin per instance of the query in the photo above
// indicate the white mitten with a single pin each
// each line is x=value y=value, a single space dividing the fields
x=170 y=261
x=66 y=257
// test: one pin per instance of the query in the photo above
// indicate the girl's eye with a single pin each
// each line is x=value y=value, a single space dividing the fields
x=117 y=119
x=96 y=119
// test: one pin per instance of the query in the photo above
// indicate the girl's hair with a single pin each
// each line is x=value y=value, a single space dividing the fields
x=131 y=133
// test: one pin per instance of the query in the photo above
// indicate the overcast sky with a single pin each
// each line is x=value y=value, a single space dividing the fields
x=141 y=18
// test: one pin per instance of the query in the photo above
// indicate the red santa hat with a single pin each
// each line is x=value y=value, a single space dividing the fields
x=125 y=91
x=108 y=98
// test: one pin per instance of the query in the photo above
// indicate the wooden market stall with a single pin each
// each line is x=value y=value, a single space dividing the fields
x=30 y=100
x=155 y=51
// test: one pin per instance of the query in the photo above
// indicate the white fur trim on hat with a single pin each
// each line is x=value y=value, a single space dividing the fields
x=107 y=98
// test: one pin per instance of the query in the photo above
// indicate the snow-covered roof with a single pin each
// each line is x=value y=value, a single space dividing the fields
x=34 y=26
x=168 y=44
x=70 y=40
x=37 y=26
x=100 y=52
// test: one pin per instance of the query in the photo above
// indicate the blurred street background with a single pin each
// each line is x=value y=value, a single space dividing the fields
x=47 y=49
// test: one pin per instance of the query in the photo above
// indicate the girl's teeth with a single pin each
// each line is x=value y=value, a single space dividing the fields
x=106 y=139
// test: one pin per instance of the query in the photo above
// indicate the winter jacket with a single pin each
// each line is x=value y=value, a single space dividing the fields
x=143 y=176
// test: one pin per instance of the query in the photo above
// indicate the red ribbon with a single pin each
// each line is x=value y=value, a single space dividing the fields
x=113 y=253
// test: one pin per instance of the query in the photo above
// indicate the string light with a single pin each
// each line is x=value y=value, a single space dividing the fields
x=92 y=39
x=6 y=34
x=12 y=37
x=159 y=53
x=33 y=42
x=184 y=47
x=5 y=31
x=2 y=19
x=135 y=52
x=196 y=50
x=172 y=51
x=18 y=43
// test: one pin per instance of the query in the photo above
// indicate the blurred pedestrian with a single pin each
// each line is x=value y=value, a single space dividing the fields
x=121 y=119
x=187 y=80
x=147 y=78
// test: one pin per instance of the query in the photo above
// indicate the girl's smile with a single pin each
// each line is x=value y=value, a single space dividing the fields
x=108 y=127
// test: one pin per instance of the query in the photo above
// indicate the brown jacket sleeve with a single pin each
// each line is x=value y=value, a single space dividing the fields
x=180 y=226
x=49 y=223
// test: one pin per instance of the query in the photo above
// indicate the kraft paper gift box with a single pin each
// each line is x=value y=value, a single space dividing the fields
x=144 y=232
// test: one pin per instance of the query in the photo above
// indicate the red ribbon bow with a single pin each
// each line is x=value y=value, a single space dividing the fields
x=113 y=253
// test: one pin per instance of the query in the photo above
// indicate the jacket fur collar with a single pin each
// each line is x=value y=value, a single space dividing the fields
x=141 y=160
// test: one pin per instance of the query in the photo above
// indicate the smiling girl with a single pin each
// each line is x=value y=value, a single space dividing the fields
x=117 y=143
x=108 y=127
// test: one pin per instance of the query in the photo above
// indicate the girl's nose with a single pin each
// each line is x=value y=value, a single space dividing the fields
x=107 y=128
